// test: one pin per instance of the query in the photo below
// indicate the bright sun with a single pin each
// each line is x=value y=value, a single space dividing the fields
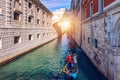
x=66 y=25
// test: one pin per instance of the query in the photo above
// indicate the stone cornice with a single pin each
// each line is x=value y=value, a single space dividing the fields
x=43 y=7
x=38 y=3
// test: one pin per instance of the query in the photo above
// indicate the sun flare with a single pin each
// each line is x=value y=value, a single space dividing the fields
x=66 y=24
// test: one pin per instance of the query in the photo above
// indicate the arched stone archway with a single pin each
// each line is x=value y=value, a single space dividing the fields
x=115 y=37
x=113 y=66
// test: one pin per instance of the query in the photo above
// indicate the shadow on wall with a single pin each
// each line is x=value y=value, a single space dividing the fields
x=58 y=29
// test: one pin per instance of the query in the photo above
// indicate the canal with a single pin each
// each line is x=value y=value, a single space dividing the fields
x=44 y=62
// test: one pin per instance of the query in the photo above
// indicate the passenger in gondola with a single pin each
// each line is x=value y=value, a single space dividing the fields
x=71 y=75
x=72 y=48
x=75 y=58
x=69 y=59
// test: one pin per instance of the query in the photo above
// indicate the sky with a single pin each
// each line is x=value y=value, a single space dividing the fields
x=54 y=5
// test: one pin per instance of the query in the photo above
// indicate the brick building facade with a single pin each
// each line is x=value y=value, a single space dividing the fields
x=24 y=24
x=98 y=33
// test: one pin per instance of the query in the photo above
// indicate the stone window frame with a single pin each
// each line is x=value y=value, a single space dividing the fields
x=43 y=13
x=38 y=35
x=17 y=39
x=38 y=9
x=38 y=21
x=101 y=6
x=95 y=43
x=30 y=37
x=30 y=5
x=91 y=9
x=88 y=40
x=16 y=16
x=43 y=35
x=84 y=37
x=30 y=18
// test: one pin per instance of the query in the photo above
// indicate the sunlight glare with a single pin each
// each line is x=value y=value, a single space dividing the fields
x=66 y=24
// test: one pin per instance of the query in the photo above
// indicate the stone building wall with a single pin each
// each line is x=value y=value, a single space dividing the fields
x=19 y=35
x=2 y=12
x=100 y=41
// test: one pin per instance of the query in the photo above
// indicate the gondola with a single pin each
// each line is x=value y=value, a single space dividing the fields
x=67 y=73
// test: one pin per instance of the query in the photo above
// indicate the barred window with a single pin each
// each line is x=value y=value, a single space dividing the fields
x=30 y=37
x=16 y=16
x=17 y=39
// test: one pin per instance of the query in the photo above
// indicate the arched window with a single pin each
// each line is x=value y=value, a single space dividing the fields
x=30 y=5
x=30 y=18
x=38 y=9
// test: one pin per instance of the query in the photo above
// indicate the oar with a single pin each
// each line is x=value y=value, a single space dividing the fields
x=63 y=68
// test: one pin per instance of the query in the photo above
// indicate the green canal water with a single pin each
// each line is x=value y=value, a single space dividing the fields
x=43 y=63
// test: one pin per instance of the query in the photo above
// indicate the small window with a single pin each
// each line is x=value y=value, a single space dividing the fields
x=43 y=13
x=29 y=19
x=16 y=16
x=38 y=35
x=30 y=5
x=91 y=9
x=43 y=22
x=101 y=5
x=17 y=39
x=38 y=9
x=88 y=39
x=30 y=37
x=38 y=21
x=95 y=43
x=0 y=42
